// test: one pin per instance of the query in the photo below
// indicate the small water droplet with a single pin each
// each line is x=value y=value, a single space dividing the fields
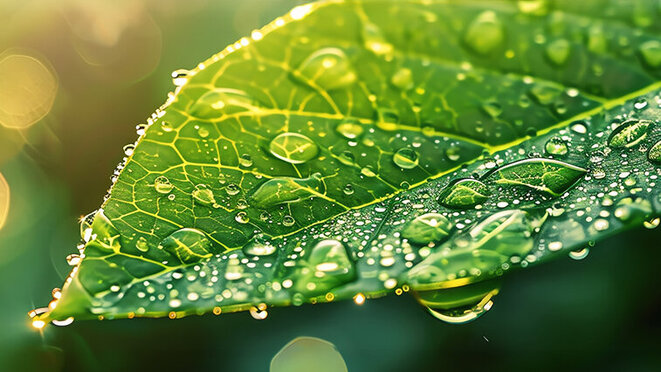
x=232 y=189
x=402 y=78
x=259 y=312
x=241 y=217
x=288 y=220
x=558 y=51
x=180 y=77
x=350 y=129
x=485 y=33
x=245 y=161
x=579 y=254
x=162 y=185
x=203 y=195
x=142 y=244
x=556 y=146
x=328 y=68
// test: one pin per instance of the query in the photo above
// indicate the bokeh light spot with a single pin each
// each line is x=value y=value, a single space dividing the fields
x=304 y=354
x=27 y=90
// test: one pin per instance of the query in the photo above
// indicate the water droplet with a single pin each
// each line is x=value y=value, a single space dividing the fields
x=453 y=153
x=281 y=190
x=545 y=94
x=328 y=265
x=245 y=161
x=328 y=68
x=348 y=189
x=430 y=227
x=459 y=305
x=556 y=146
x=166 y=126
x=485 y=33
x=368 y=172
x=288 y=220
x=534 y=7
x=142 y=244
x=128 y=149
x=601 y=224
x=374 y=40
x=654 y=153
x=650 y=51
x=221 y=101
x=629 y=133
x=293 y=148
x=258 y=247
x=630 y=209
x=241 y=217
x=558 y=51
x=188 y=245
x=579 y=254
x=406 y=158
x=180 y=77
x=464 y=193
x=350 y=129
x=259 y=312
x=359 y=299
x=162 y=185
x=579 y=128
x=73 y=259
x=203 y=195
x=232 y=189
x=640 y=104
x=653 y=223
x=402 y=78
x=203 y=132
x=493 y=109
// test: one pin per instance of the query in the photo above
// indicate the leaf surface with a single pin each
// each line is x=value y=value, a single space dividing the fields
x=360 y=148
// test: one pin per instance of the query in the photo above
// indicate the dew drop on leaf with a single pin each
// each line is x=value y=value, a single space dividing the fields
x=288 y=221
x=464 y=193
x=558 y=51
x=286 y=190
x=203 y=195
x=328 y=68
x=374 y=40
x=654 y=153
x=406 y=158
x=350 y=129
x=180 y=77
x=650 y=51
x=188 y=245
x=629 y=133
x=293 y=148
x=402 y=78
x=485 y=33
x=232 y=189
x=430 y=227
x=556 y=146
x=221 y=101
x=245 y=161
x=162 y=185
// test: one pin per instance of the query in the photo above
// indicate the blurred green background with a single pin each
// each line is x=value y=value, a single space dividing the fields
x=101 y=68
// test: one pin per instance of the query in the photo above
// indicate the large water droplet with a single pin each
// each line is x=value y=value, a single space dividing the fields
x=629 y=133
x=485 y=33
x=402 y=78
x=459 y=305
x=654 y=153
x=464 y=193
x=258 y=247
x=350 y=129
x=558 y=51
x=293 y=148
x=162 y=185
x=650 y=51
x=327 y=266
x=203 y=195
x=281 y=190
x=188 y=245
x=405 y=158
x=374 y=40
x=430 y=227
x=221 y=101
x=328 y=68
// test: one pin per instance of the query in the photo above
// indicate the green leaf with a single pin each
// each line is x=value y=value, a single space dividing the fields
x=362 y=148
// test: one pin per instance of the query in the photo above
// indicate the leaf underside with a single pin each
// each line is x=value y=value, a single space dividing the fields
x=360 y=148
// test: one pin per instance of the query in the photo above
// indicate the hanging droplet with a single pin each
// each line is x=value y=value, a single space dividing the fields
x=556 y=146
x=293 y=148
x=128 y=149
x=350 y=129
x=73 y=259
x=653 y=223
x=485 y=33
x=162 y=185
x=430 y=227
x=629 y=133
x=579 y=254
x=459 y=305
x=640 y=104
x=203 y=195
x=405 y=158
x=259 y=312
x=328 y=68
x=558 y=51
